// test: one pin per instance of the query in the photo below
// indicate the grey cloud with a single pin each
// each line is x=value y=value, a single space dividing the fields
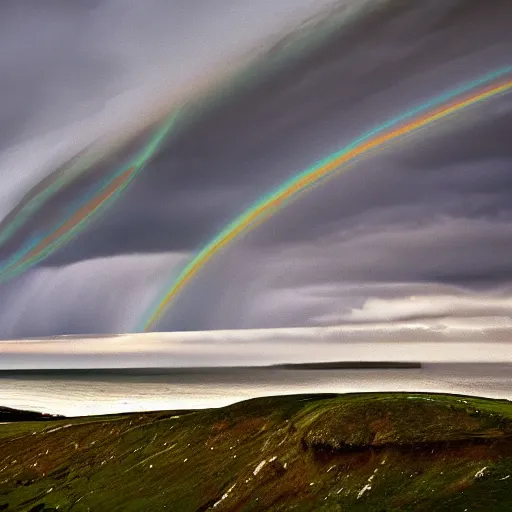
x=430 y=211
x=238 y=152
x=94 y=296
x=259 y=347
x=61 y=61
x=276 y=287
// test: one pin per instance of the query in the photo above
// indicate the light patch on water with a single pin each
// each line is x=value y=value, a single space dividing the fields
x=193 y=389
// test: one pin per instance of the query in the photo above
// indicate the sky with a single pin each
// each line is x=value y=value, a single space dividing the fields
x=413 y=342
x=418 y=231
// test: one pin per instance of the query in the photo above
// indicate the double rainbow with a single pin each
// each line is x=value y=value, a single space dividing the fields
x=440 y=107
x=96 y=201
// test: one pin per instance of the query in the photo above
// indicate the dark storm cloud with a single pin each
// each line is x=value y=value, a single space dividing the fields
x=231 y=156
x=61 y=61
x=432 y=210
x=72 y=72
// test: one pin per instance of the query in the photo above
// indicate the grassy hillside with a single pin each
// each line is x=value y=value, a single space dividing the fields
x=362 y=452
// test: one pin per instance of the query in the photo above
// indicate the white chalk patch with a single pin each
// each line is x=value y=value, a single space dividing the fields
x=259 y=467
x=480 y=474
x=367 y=487
x=224 y=496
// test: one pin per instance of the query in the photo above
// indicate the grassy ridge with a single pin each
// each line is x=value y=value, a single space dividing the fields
x=362 y=452
x=7 y=415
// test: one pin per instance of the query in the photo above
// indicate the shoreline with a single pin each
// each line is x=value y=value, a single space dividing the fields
x=107 y=391
x=37 y=416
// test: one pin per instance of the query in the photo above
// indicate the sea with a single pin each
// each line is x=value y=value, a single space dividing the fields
x=101 y=391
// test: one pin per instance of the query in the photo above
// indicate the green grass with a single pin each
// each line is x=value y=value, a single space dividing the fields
x=362 y=452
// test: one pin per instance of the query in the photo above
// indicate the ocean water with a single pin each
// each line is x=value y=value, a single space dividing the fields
x=94 y=392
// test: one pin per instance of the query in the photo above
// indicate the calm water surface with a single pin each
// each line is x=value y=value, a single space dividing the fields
x=93 y=392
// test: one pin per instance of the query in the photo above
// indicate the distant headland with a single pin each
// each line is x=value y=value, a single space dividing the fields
x=349 y=365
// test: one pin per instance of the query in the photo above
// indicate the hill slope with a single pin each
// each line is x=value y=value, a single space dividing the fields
x=362 y=452
x=8 y=415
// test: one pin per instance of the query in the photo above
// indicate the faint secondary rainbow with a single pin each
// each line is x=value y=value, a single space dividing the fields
x=19 y=215
x=292 y=47
x=83 y=212
x=451 y=102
